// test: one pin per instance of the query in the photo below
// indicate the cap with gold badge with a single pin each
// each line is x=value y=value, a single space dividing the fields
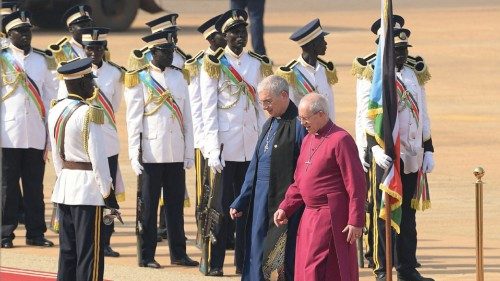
x=230 y=19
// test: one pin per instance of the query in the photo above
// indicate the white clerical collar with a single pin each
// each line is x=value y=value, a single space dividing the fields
x=19 y=51
x=305 y=64
x=74 y=42
x=231 y=53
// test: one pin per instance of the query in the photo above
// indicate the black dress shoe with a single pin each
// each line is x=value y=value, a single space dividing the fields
x=163 y=233
x=40 y=241
x=108 y=252
x=418 y=265
x=7 y=244
x=185 y=261
x=151 y=264
x=413 y=276
x=238 y=271
x=215 y=272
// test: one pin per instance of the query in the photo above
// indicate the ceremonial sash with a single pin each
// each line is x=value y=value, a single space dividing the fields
x=28 y=84
x=303 y=84
x=158 y=91
x=407 y=98
x=236 y=78
x=60 y=127
x=103 y=101
x=69 y=51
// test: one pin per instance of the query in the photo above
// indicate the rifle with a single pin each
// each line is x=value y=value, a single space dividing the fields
x=210 y=217
x=139 y=208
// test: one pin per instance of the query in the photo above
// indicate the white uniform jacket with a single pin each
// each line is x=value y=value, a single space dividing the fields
x=195 y=98
x=162 y=137
x=22 y=125
x=317 y=77
x=411 y=132
x=228 y=115
x=79 y=187
x=110 y=81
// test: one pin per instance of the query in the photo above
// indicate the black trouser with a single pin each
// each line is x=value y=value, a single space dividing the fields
x=172 y=178
x=202 y=172
x=29 y=166
x=81 y=255
x=255 y=10
x=233 y=176
x=109 y=229
x=404 y=243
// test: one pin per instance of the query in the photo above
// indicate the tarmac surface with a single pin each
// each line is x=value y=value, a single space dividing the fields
x=461 y=44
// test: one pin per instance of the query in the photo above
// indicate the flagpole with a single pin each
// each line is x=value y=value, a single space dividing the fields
x=388 y=238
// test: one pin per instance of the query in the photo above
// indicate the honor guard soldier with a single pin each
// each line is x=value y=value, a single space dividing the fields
x=310 y=73
x=28 y=86
x=215 y=40
x=84 y=185
x=416 y=155
x=362 y=69
x=141 y=57
x=108 y=96
x=75 y=19
x=233 y=117
x=158 y=108
x=6 y=8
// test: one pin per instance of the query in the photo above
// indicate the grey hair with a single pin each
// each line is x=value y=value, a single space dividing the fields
x=315 y=102
x=273 y=84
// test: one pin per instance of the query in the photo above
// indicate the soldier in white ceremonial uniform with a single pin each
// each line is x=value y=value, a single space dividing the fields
x=68 y=48
x=110 y=84
x=416 y=157
x=233 y=117
x=362 y=69
x=215 y=40
x=158 y=108
x=310 y=73
x=28 y=87
x=6 y=8
x=84 y=185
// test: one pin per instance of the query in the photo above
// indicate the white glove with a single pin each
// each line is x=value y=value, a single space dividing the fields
x=136 y=166
x=214 y=162
x=362 y=156
x=380 y=158
x=428 y=163
x=188 y=164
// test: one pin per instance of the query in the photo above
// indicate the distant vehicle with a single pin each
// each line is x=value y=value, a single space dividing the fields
x=114 y=14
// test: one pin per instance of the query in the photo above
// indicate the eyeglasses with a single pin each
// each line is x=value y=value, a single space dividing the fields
x=266 y=103
x=304 y=119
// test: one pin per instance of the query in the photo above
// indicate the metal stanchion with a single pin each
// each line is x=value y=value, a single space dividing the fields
x=479 y=173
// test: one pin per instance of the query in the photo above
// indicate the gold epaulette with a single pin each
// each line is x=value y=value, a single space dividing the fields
x=96 y=114
x=184 y=55
x=132 y=77
x=185 y=73
x=331 y=71
x=362 y=67
x=287 y=73
x=266 y=65
x=120 y=68
x=192 y=66
x=137 y=58
x=420 y=68
x=57 y=50
x=211 y=63
x=49 y=58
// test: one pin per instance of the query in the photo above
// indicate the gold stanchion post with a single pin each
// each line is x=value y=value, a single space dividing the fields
x=479 y=173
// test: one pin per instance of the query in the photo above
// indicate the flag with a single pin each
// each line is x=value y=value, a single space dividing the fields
x=382 y=109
